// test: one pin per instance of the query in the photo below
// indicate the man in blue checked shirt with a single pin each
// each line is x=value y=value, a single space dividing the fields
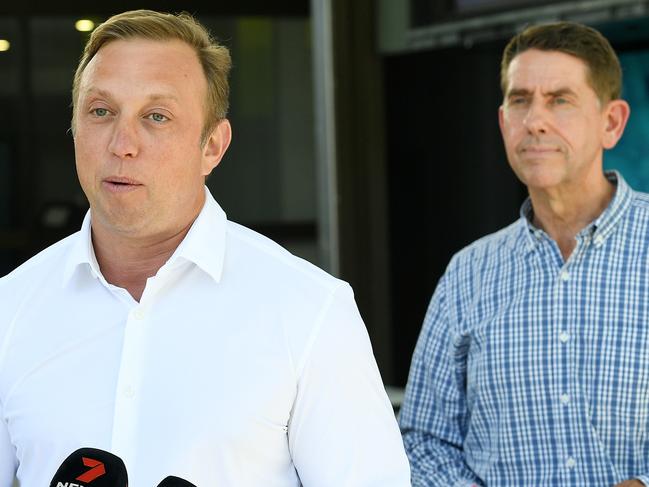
x=532 y=367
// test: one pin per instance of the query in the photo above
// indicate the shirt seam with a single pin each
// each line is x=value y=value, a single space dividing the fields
x=315 y=333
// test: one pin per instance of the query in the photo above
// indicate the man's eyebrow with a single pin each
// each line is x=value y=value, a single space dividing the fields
x=554 y=93
x=99 y=92
x=560 y=92
x=152 y=96
x=518 y=92
x=162 y=96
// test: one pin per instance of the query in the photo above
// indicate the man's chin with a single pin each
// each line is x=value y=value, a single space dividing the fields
x=126 y=224
x=543 y=182
x=540 y=172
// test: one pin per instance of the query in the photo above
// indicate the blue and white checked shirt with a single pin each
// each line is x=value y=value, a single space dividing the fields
x=530 y=371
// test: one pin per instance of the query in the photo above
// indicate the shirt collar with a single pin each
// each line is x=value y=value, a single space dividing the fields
x=204 y=244
x=603 y=225
x=81 y=253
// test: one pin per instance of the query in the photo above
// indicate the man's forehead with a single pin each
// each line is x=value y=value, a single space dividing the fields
x=169 y=56
x=549 y=70
x=157 y=68
x=139 y=43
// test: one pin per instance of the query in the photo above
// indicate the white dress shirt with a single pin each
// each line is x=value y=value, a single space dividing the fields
x=241 y=366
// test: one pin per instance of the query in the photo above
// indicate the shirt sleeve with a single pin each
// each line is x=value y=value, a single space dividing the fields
x=434 y=412
x=8 y=462
x=343 y=430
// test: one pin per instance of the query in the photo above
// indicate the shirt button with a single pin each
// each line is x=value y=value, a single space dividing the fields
x=599 y=240
x=571 y=463
x=565 y=399
x=129 y=391
x=138 y=314
x=564 y=337
x=564 y=276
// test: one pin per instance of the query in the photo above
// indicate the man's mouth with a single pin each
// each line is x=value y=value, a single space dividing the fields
x=539 y=149
x=117 y=184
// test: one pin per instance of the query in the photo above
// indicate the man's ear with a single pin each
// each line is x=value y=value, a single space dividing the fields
x=501 y=119
x=616 y=116
x=216 y=145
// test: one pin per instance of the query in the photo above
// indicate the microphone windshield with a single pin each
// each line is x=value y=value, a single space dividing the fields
x=172 y=481
x=89 y=467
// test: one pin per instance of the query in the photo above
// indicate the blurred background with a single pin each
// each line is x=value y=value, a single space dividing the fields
x=365 y=132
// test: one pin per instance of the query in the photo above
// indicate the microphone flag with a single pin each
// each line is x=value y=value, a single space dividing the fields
x=91 y=467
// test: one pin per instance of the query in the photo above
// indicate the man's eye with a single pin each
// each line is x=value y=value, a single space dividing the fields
x=99 y=112
x=560 y=101
x=517 y=100
x=158 y=117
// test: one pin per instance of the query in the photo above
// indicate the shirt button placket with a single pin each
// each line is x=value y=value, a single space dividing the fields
x=126 y=400
x=564 y=336
x=128 y=391
x=564 y=377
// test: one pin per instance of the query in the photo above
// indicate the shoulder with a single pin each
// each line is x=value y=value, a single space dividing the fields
x=640 y=200
x=299 y=301
x=41 y=263
x=495 y=246
x=266 y=259
x=19 y=288
x=635 y=215
x=31 y=274
x=488 y=259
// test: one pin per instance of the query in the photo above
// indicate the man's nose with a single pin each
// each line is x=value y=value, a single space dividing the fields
x=536 y=118
x=125 y=141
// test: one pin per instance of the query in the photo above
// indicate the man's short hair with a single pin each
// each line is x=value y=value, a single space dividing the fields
x=604 y=72
x=157 y=26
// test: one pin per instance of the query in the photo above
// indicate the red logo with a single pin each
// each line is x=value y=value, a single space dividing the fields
x=97 y=470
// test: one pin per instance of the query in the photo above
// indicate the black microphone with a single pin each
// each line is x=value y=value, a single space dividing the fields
x=172 y=481
x=89 y=467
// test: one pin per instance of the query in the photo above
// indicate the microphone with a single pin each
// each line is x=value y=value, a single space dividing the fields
x=172 y=481
x=90 y=467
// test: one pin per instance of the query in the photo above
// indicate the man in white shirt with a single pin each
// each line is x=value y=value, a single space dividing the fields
x=182 y=342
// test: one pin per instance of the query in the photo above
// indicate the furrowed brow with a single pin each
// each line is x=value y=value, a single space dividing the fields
x=518 y=92
x=560 y=92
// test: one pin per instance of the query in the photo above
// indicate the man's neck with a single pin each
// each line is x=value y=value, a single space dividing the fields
x=563 y=212
x=128 y=262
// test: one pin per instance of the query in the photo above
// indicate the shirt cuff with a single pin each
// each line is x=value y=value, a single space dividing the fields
x=643 y=478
